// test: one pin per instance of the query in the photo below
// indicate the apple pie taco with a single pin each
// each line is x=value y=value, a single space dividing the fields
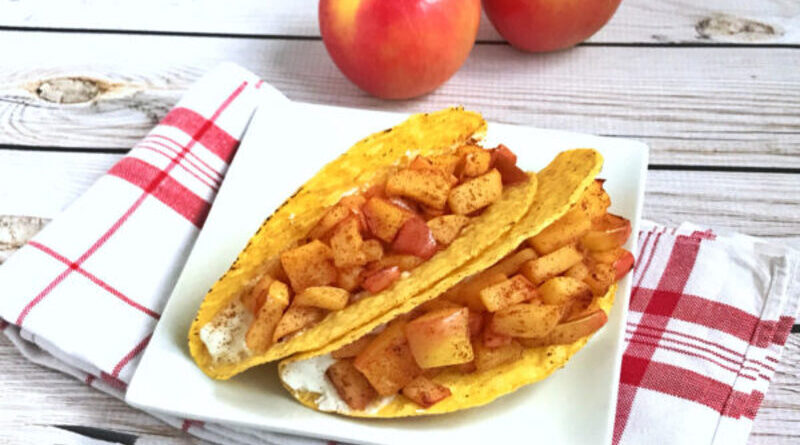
x=388 y=219
x=508 y=317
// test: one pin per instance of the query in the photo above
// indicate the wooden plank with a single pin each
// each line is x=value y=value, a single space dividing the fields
x=34 y=398
x=764 y=205
x=678 y=21
x=707 y=106
x=778 y=420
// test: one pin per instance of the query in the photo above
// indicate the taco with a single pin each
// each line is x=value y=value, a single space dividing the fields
x=507 y=318
x=395 y=214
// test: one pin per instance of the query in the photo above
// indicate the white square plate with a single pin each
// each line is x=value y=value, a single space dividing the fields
x=284 y=146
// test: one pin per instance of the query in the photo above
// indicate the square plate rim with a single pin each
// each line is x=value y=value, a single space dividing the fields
x=135 y=398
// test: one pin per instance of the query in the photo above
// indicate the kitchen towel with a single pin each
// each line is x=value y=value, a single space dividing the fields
x=709 y=317
x=709 y=313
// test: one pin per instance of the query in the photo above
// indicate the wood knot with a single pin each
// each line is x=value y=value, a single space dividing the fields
x=731 y=28
x=70 y=90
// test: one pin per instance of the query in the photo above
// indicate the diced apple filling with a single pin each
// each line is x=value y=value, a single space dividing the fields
x=534 y=297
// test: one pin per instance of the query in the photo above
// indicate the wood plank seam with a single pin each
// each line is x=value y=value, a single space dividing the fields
x=652 y=166
x=708 y=44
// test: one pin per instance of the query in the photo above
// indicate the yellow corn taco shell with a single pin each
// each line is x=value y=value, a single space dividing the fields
x=475 y=389
x=560 y=185
x=368 y=162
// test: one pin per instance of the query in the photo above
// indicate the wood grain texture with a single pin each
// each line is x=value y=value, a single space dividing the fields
x=778 y=419
x=636 y=21
x=15 y=231
x=706 y=106
x=33 y=398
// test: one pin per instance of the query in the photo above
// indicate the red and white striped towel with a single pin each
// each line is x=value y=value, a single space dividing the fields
x=709 y=314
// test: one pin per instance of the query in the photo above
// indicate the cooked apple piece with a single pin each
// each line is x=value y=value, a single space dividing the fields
x=373 y=250
x=571 y=331
x=429 y=213
x=415 y=238
x=623 y=265
x=403 y=203
x=381 y=279
x=488 y=358
x=259 y=334
x=568 y=229
x=428 y=186
x=350 y=384
x=258 y=294
x=468 y=292
x=505 y=161
x=445 y=162
x=601 y=277
x=550 y=265
x=561 y=290
x=476 y=193
x=309 y=265
x=425 y=392
x=579 y=308
x=296 y=318
x=465 y=368
x=384 y=219
x=475 y=323
x=349 y=278
x=511 y=264
x=329 y=220
x=476 y=161
x=351 y=350
x=420 y=163
x=446 y=228
x=607 y=256
x=578 y=271
x=402 y=262
x=433 y=372
x=608 y=232
x=440 y=338
x=323 y=297
x=595 y=201
x=470 y=148
x=353 y=202
x=491 y=338
x=526 y=320
x=511 y=291
x=347 y=244
x=387 y=361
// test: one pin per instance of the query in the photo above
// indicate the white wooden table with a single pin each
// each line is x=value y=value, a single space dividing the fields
x=712 y=86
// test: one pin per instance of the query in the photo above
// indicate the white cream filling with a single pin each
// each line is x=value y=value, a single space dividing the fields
x=224 y=335
x=309 y=375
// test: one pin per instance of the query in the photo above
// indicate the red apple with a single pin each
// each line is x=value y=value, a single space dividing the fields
x=398 y=49
x=548 y=25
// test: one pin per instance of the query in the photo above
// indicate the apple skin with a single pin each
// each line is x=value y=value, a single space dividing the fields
x=399 y=49
x=548 y=25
